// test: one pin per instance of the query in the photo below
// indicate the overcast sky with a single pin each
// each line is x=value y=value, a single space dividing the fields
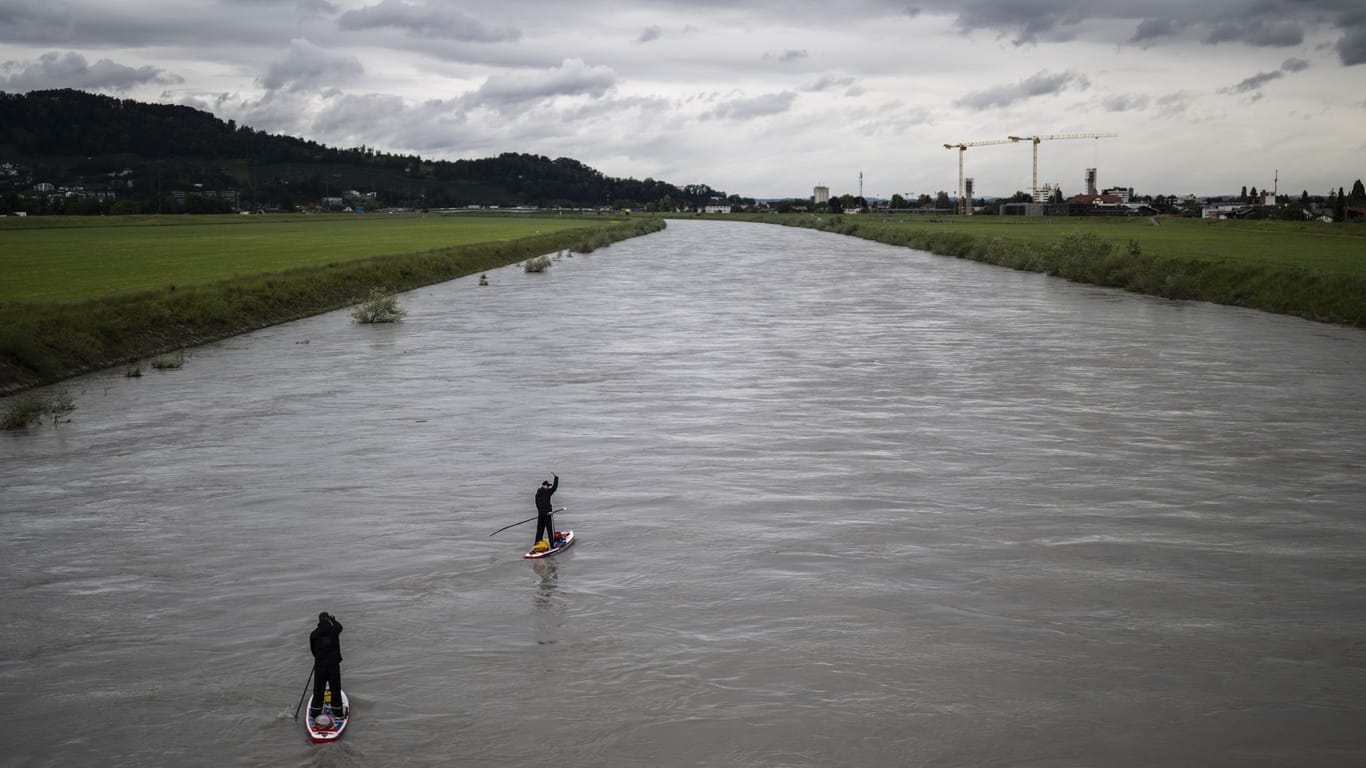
x=762 y=99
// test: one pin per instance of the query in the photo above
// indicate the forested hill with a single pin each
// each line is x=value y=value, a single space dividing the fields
x=127 y=149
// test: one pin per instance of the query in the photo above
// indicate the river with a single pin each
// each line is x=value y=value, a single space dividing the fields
x=839 y=504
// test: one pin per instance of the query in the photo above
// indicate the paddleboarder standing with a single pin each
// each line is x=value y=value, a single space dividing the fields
x=326 y=646
x=545 y=518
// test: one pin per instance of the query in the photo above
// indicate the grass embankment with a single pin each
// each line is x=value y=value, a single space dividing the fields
x=78 y=298
x=1312 y=270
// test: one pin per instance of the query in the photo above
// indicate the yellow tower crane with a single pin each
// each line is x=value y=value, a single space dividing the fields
x=1034 y=182
x=962 y=147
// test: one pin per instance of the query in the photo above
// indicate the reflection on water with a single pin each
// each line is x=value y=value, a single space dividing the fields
x=547 y=573
x=848 y=505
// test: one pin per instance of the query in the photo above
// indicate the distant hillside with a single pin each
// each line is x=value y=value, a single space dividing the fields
x=120 y=149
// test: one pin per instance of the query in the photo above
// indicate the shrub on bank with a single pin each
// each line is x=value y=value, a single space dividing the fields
x=29 y=409
x=21 y=412
x=381 y=307
x=168 y=362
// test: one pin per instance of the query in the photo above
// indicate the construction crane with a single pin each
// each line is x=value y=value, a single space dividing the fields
x=962 y=147
x=1034 y=182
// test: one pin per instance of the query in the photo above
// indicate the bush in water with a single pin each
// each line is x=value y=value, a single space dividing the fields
x=28 y=409
x=381 y=307
x=538 y=264
x=167 y=362
x=21 y=412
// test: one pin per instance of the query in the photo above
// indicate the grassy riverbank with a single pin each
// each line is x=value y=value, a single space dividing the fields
x=71 y=259
x=95 y=296
x=1311 y=270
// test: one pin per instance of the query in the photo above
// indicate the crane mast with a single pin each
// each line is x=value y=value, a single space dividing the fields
x=1034 y=179
x=962 y=147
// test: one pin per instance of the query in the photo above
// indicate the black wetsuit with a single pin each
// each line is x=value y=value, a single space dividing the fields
x=326 y=647
x=545 y=521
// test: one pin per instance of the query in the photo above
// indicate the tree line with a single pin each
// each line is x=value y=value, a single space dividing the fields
x=122 y=151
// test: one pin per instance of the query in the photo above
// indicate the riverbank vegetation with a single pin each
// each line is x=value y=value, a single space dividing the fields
x=1311 y=270
x=380 y=307
x=29 y=408
x=87 y=299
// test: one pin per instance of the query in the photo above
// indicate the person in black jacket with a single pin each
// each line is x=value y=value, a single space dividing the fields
x=326 y=647
x=545 y=521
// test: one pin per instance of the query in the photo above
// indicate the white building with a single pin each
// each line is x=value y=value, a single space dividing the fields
x=1125 y=193
x=822 y=195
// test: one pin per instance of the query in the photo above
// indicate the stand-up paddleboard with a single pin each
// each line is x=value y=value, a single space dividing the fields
x=563 y=540
x=331 y=729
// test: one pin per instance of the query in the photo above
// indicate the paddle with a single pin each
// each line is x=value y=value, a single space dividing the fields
x=302 y=695
x=519 y=522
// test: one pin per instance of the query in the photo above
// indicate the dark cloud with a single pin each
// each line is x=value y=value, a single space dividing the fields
x=1352 y=47
x=649 y=33
x=1172 y=104
x=306 y=67
x=746 y=108
x=425 y=21
x=34 y=22
x=790 y=54
x=1152 y=29
x=1259 y=32
x=1041 y=84
x=827 y=82
x=72 y=70
x=1124 y=102
x=1024 y=22
x=572 y=78
x=1254 y=83
x=1261 y=23
x=90 y=25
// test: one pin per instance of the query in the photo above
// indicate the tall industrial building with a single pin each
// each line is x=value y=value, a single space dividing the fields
x=1090 y=181
x=822 y=195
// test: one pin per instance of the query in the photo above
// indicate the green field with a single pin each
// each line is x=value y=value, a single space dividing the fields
x=1328 y=248
x=1314 y=246
x=71 y=259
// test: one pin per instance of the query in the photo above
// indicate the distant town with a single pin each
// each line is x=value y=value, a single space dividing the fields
x=118 y=193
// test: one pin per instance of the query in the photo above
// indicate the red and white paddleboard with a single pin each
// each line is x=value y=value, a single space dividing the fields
x=335 y=722
x=563 y=540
